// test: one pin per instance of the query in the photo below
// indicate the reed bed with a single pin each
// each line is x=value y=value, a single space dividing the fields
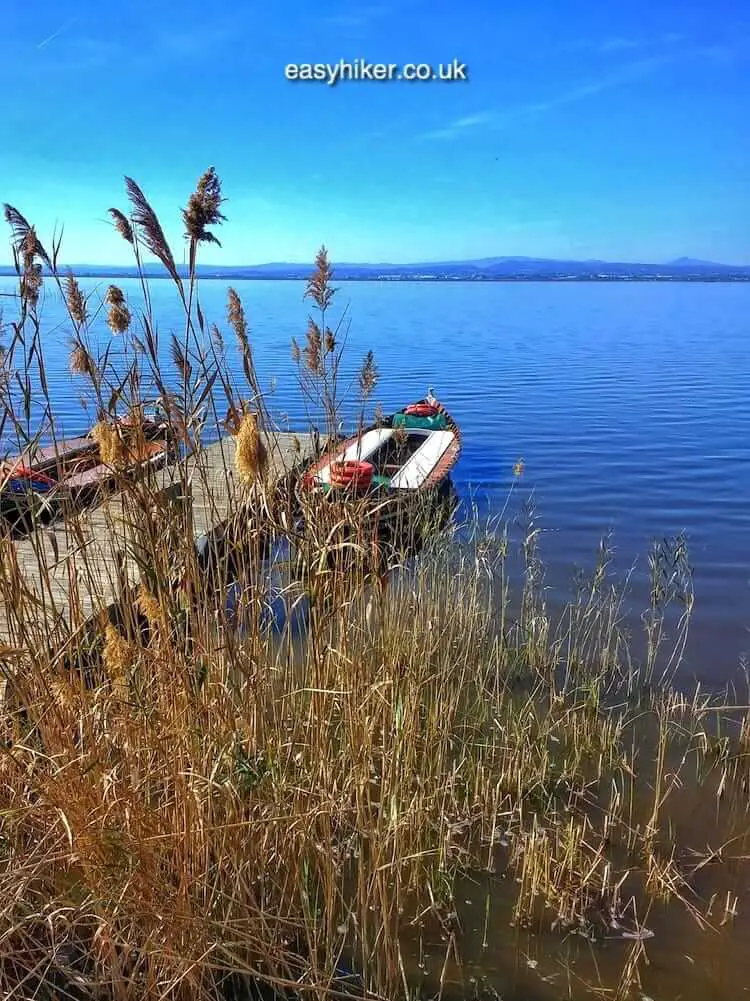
x=194 y=806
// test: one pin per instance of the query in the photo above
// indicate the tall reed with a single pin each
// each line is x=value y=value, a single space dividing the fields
x=191 y=803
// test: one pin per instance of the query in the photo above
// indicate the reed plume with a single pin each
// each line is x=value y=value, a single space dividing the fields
x=115 y=296
x=117 y=656
x=122 y=225
x=75 y=300
x=149 y=229
x=31 y=283
x=65 y=695
x=81 y=362
x=218 y=338
x=251 y=456
x=111 y=446
x=138 y=344
x=368 y=376
x=31 y=269
x=149 y=606
x=25 y=239
x=118 y=314
x=180 y=359
x=312 y=351
x=318 y=285
x=237 y=319
x=411 y=743
x=203 y=209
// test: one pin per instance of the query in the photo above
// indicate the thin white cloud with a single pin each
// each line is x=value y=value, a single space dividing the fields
x=670 y=53
x=619 y=45
x=81 y=54
x=188 y=42
x=460 y=126
x=499 y=118
x=55 y=34
x=634 y=71
x=624 y=43
x=357 y=19
x=471 y=120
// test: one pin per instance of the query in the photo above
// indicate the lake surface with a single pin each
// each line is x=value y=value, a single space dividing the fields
x=628 y=402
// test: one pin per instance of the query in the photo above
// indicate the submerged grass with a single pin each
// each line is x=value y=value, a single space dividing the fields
x=191 y=810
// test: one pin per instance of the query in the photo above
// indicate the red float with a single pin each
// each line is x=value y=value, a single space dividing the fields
x=421 y=410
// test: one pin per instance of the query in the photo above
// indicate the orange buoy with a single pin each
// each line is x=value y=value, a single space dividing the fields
x=421 y=410
x=352 y=473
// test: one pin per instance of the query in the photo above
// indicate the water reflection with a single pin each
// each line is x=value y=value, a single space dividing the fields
x=283 y=611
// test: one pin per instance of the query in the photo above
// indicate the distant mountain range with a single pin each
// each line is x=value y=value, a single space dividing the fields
x=481 y=269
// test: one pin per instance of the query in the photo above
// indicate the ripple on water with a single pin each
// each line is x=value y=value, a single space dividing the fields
x=627 y=402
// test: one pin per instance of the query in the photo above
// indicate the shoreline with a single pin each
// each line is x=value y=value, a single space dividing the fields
x=425 y=279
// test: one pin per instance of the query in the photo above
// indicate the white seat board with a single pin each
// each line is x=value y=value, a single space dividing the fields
x=414 y=472
x=360 y=451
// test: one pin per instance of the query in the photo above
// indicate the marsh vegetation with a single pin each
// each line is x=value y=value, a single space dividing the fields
x=438 y=773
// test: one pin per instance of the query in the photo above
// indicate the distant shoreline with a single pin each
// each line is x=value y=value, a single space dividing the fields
x=471 y=269
x=428 y=279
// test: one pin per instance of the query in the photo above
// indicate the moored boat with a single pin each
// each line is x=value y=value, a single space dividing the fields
x=400 y=465
x=42 y=478
x=24 y=492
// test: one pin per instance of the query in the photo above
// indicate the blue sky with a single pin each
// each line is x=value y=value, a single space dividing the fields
x=617 y=131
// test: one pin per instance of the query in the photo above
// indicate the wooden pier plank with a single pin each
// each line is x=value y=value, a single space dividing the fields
x=72 y=564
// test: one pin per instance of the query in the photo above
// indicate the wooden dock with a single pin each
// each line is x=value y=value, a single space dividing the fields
x=77 y=566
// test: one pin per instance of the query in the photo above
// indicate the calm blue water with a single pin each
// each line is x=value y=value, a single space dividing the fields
x=628 y=402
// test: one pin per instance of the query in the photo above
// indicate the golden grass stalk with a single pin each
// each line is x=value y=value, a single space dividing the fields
x=31 y=275
x=319 y=284
x=368 y=376
x=269 y=807
x=150 y=606
x=118 y=314
x=117 y=657
x=122 y=225
x=203 y=209
x=112 y=448
x=75 y=300
x=81 y=362
x=149 y=229
x=251 y=456
x=26 y=243
x=313 y=348
x=236 y=315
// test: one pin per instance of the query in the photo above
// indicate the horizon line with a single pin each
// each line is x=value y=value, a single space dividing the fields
x=682 y=261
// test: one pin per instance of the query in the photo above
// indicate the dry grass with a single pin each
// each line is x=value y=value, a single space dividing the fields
x=188 y=809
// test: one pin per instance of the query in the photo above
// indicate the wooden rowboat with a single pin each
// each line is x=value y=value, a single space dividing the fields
x=400 y=465
x=43 y=478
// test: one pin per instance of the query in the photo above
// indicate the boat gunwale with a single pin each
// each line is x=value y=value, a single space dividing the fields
x=156 y=456
x=434 y=478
